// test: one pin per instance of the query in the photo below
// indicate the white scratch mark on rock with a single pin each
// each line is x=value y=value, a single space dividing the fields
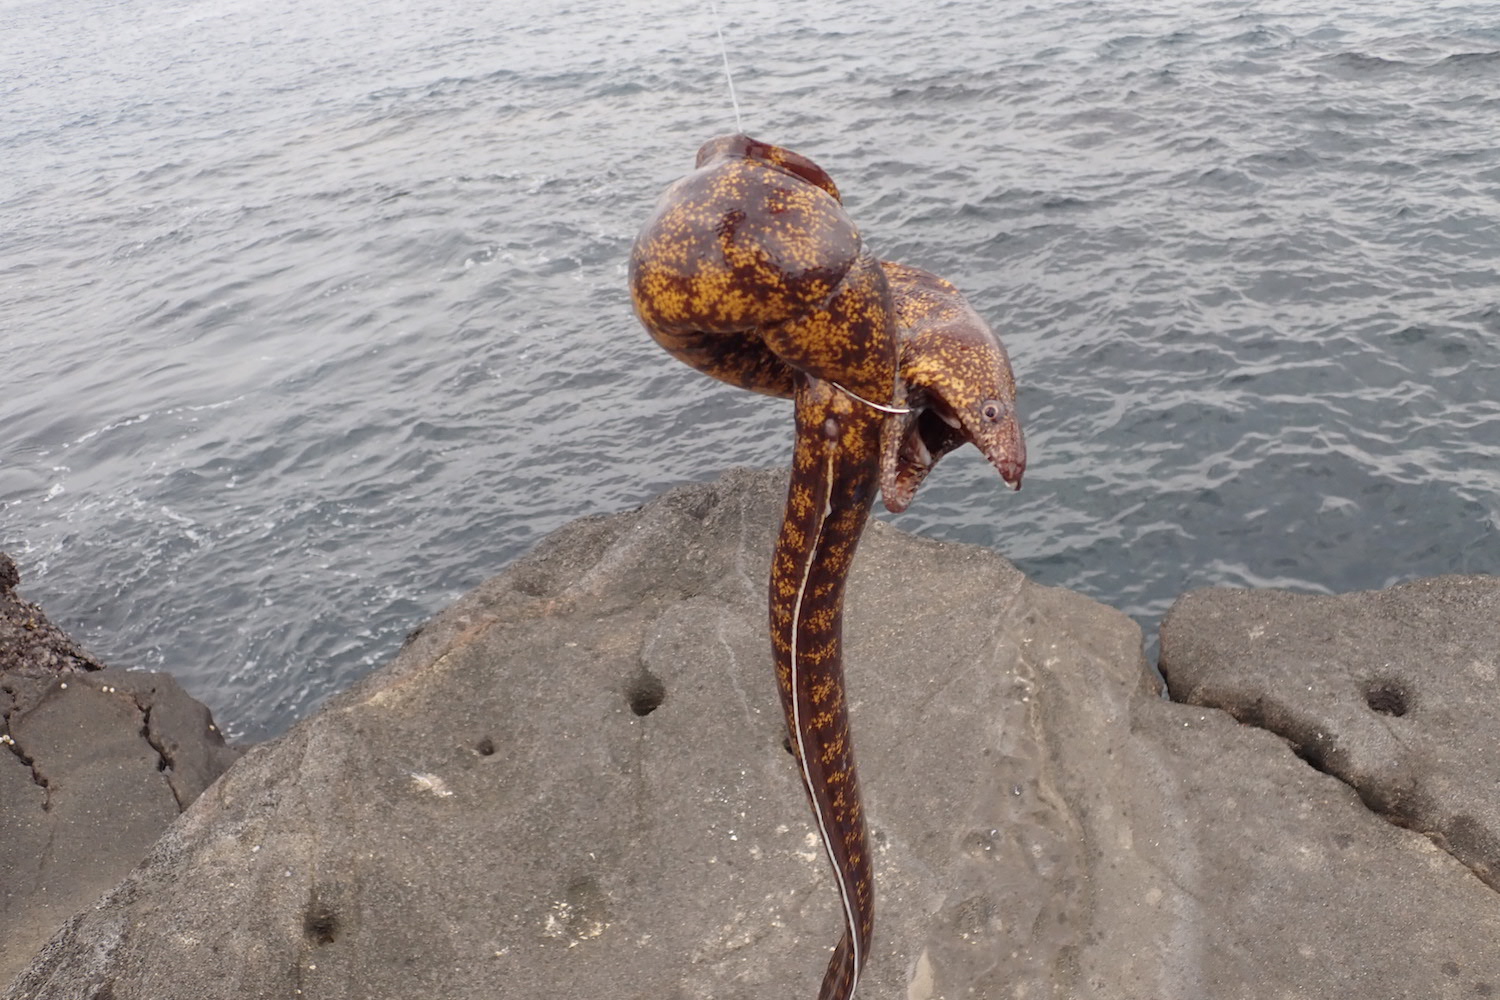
x=431 y=783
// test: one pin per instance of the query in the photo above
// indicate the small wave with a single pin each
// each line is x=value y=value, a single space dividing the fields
x=1353 y=65
x=141 y=418
x=1468 y=62
x=940 y=93
x=1263 y=36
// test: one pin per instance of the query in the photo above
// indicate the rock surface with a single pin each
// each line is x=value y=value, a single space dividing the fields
x=94 y=765
x=1394 y=692
x=29 y=642
x=572 y=784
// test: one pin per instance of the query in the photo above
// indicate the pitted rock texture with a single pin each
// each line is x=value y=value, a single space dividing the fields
x=1392 y=691
x=573 y=783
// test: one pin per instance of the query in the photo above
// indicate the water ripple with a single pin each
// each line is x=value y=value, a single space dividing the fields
x=315 y=317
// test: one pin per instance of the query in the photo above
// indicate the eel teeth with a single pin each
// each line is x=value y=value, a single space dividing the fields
x=922 y=456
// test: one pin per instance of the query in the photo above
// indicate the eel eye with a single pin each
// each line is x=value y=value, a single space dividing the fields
x=992 y=410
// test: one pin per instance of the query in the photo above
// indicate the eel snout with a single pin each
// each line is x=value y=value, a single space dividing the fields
x=997 y=433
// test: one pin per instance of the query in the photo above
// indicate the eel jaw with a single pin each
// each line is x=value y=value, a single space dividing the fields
x=911 y=444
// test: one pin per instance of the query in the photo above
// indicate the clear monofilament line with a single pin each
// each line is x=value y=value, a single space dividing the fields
x=883 y=408
x=739 y=125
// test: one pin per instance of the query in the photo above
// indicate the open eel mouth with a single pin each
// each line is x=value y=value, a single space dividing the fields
x=911 y=444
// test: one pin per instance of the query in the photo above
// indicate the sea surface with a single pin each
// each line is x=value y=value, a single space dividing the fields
x=313 y=314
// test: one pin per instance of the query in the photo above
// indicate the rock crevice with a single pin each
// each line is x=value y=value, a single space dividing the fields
x=37 y=777
x=105 y=760
x=1392 y=692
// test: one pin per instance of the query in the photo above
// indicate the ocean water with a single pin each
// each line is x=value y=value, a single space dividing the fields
x=313 y=315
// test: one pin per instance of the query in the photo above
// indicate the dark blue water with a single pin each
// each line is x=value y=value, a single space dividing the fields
x=312 y=316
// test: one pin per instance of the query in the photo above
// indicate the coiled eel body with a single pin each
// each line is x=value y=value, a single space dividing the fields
x=750 y=271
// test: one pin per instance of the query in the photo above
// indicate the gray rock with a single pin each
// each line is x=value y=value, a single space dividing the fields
x=29 y=642
x=94 y=766
x=572 y=784
x=1391 y=691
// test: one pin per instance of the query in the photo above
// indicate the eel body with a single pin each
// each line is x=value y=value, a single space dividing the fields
x=750 y=271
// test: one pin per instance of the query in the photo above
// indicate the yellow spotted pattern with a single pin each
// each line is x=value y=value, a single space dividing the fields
x=749 y=271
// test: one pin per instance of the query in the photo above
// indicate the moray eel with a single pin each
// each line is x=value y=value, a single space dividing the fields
x=750 y=271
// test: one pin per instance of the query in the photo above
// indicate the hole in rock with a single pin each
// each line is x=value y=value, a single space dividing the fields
x=645 y=693
x=485 y=747
x=320 y=924
x=1387 y=698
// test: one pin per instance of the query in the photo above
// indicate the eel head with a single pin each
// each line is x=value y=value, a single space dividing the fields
x=959 y=388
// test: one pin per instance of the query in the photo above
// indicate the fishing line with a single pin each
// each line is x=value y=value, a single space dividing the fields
x=873 y=405
x=739 y=125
